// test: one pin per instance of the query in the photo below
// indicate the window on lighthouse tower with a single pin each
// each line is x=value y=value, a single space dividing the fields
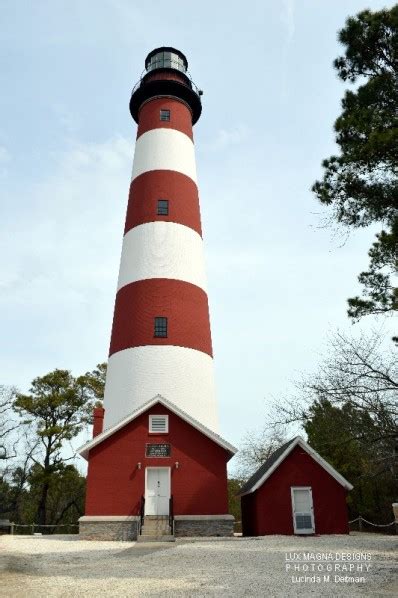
x=160 y=327
x=165 y=115
x=163 y=207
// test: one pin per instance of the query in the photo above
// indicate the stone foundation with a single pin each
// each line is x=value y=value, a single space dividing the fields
x=126 y=528
x=109 y=528
x=203 y=525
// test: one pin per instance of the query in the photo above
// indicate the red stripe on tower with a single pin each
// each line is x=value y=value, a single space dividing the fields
x=183 y=304
x=180 y=116
x=149 y=188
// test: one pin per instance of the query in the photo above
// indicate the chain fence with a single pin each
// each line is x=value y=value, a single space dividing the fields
x=363 y=525
x=359 y=524
x=34 y=528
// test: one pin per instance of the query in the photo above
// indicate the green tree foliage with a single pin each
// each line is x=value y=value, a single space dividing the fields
x=95 y=382
x=65 y=499
x=361 y=183
x=234 y=485
x=58 y=408
x=348 y=438
x=20 y=495
x=6 y=503
x=14 y=489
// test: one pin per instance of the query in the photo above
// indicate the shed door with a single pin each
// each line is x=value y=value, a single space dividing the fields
x=303 y=511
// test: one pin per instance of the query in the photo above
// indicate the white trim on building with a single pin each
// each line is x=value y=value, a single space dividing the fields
x=302 y=443
x=85 y=449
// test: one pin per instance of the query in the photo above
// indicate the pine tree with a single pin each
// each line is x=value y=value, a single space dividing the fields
x=361 y=183
x=58 y=407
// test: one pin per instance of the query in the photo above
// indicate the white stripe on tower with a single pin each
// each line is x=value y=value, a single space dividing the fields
x=184 y=374
x=164 y=149
x=162 y=271
x=162 y=250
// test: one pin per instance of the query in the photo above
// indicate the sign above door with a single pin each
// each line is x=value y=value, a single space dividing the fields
x=157 y=450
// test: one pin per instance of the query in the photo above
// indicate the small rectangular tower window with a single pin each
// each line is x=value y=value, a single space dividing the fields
x=160 y=327
x=165 y=115
x=163 y=207
x=159 y=424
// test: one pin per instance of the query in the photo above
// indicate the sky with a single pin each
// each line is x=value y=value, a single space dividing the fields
x=278 y=279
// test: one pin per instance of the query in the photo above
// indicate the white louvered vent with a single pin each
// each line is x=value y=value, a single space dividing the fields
x=159 y=424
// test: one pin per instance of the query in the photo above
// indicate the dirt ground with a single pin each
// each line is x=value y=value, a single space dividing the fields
x=355 y=565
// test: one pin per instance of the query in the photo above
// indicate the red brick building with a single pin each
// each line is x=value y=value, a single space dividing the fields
x=295 y=492
x=158 y=462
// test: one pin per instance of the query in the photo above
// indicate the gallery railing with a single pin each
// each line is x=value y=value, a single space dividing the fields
x=189 y=84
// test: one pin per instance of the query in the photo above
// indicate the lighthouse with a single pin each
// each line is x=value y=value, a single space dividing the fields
x=156 y=463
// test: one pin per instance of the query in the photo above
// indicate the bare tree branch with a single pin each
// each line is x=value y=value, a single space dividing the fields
x=355 y=371
x=8 y=424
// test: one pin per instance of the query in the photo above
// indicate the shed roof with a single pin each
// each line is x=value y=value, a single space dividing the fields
x=276 y=458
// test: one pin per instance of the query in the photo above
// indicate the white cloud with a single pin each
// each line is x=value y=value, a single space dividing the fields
x=5 y=158
x=288 y=19
x=4 y=155
x=61 y=245
x=226 y=137
x=68 y=120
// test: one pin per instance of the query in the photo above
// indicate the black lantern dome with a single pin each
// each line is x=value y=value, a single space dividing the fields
x=166 y=75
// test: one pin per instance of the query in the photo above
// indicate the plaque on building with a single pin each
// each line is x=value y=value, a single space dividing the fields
x=157 y=450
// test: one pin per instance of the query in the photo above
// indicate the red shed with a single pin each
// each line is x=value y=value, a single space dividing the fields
x=295 y=492
x=156 y=465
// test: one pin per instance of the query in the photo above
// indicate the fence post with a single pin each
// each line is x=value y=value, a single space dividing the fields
x=12 y=528
x=360 y=524
x=33 y=528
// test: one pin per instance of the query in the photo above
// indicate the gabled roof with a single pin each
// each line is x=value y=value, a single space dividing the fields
x=85 y=449
x=274 y=460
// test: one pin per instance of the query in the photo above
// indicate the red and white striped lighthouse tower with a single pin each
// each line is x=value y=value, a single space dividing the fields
x=156 y=463
x=161 y=341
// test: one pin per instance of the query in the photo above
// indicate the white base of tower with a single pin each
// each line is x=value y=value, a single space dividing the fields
x=184 y=376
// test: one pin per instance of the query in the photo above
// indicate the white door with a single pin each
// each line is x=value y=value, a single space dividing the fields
x=303 y=511
x=157 y=490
